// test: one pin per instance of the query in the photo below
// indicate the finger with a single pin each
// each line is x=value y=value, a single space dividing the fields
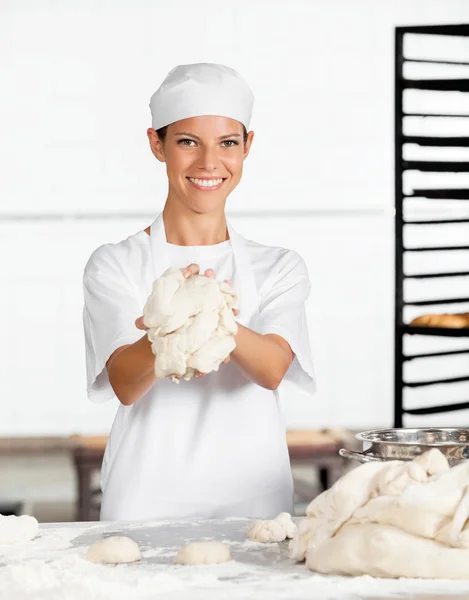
x=210 y=273
x=199 y=374
x=235 y=312
x=190 y=270
x=139 y=324
x=227 y=360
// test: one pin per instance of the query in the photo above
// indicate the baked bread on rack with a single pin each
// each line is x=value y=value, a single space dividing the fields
x=454 y=321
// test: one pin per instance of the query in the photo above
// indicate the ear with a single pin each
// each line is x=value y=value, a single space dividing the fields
x=247 y=145
x=156 y=145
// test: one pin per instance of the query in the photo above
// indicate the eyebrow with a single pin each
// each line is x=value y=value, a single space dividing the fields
x=222 y=137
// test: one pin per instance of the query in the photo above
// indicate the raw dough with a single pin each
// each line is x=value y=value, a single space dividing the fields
x=17 y=530
x=385 y=551
x=274 y=530
x=203 y=553
x=114 y=549
x=286 y=522
x=391 y=519
x=191 y=324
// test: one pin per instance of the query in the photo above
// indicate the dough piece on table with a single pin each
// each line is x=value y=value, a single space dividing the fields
x=267 y=531
x=286 y=522
x=115 y=549
x=386 y=551
x=191 y=324
x=17 y=530
x=203 y=553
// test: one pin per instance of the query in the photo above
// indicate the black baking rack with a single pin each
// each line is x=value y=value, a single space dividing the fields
x=401 y=166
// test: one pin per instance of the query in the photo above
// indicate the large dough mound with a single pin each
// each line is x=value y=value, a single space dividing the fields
x=17 y=530
x=391 y=519
x=191 y=324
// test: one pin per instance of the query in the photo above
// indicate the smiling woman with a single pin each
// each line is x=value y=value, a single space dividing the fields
x=214 y=446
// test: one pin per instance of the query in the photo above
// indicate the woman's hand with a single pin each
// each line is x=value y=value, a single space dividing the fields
x=188 y=272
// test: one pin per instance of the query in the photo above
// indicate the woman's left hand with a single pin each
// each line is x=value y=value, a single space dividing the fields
x=210 y=273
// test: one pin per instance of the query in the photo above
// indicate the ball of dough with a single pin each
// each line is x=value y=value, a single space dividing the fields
x=203 y=553
x=115 y=549
x=267 y=531
x=286 y=522
x=17 y=530
x=191 y=324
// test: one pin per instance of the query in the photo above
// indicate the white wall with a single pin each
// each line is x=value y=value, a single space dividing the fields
x=77 y=80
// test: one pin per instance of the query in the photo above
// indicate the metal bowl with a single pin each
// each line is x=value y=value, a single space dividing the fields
x=406 y=444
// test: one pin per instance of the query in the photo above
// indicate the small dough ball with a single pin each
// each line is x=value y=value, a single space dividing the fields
x=267 y=531
x=286 y=522
x=115 y=549
x=203 y=553
x=17 y=530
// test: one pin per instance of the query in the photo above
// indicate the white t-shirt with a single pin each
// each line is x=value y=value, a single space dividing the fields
x=214 y=446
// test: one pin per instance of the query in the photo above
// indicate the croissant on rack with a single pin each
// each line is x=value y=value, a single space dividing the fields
x=455 y=321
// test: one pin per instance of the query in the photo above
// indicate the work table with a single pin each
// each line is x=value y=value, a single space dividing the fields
x=54 y=567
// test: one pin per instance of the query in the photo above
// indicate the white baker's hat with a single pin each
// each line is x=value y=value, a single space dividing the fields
x=201 y=89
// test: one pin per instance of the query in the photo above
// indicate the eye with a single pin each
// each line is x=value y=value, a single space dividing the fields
x=185 y=140
x=231 y=142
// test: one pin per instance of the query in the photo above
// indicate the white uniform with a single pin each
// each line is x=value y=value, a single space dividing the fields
x=214 y=446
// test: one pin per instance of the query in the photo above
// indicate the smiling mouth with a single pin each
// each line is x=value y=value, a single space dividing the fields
x=207 y=184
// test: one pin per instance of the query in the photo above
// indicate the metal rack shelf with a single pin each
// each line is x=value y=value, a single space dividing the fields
x=434 y=331
x=446 y=85
x=415 y=384
x=437 y=62
x=444 y=193
x=440 y=194
x=443 y=408
x=449 y=166
x=450 y=29
x=423 y=140
x=436 y=301
x=434 y=221
x=435 y=248
x=434 y=354
x=439 y=115
x=437 y=275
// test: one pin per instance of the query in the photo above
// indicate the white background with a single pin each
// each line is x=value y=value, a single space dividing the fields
x=77 y=77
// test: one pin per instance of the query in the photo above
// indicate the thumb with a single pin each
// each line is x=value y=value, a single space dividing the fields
x=139 y=324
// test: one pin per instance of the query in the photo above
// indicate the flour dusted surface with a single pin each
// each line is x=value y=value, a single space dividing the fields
x=54 y=567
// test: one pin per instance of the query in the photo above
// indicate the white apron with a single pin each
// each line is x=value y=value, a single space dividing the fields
x=210 y=447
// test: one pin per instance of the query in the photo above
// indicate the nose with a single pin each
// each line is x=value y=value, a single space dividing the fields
x=209 y=160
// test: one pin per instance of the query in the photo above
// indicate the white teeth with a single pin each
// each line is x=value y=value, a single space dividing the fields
x=205 y=182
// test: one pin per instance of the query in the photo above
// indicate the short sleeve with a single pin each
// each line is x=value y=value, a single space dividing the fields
x=282 y=311
x=109 y=314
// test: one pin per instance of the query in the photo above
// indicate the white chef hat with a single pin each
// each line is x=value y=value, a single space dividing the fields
x=201 y=89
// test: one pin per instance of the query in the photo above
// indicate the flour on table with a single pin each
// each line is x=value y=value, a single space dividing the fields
x=273 y=530
x=391 y=519
x=191 y=324
x=203 y=553
x=17 y=530
x=115 y=549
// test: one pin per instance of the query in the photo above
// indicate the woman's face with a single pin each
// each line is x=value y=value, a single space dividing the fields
x=204 y=160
